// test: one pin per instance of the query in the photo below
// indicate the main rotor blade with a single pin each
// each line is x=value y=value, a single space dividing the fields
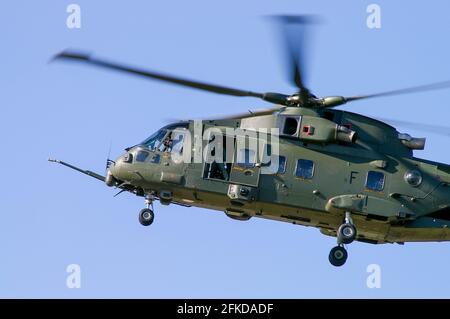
x=414 y=89
x=74 y=56
x=437 y=129
x=295 y=36
x=249 y=113
x=242 y=115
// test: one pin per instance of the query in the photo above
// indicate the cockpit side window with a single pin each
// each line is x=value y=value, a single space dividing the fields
x=177 y=142
x=165 y=144
x=173 y=141
x=155 y=139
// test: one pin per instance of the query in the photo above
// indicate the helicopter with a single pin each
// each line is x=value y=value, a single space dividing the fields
x=301 y=161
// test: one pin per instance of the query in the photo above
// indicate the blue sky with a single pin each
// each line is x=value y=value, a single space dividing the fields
x=52 y=217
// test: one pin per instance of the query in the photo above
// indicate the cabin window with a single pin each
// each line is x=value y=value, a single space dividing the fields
x=275 y=164
x=274 y=168
x=141 y=156
x=305 y=169
x=281 y=164
x=246 y=158
x=375 y=181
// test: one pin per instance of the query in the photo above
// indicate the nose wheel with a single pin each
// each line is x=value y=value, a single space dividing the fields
x=338 y=256
x=346 y=234
x=146 y=215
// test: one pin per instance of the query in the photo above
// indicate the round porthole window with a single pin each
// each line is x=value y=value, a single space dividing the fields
x=413 y=177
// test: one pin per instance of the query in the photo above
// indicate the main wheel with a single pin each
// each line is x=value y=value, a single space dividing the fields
x=346 y=233
x=338 y=256
x=146 y=217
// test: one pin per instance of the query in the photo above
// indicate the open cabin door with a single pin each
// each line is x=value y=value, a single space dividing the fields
x=246 y=167
x=234 y=159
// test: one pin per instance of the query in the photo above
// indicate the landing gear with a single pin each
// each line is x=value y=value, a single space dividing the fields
x=338 y=256
x=346 y=234
x=146 y=215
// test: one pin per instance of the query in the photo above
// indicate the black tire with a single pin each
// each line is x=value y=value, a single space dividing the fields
x=347 y=233
x=146 y=217
x=338 y=256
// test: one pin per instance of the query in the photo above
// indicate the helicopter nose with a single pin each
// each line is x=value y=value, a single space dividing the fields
x=112 y=169
x=118 y=171
x=110 y=180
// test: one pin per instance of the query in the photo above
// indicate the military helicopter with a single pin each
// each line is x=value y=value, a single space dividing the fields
x=351 y=176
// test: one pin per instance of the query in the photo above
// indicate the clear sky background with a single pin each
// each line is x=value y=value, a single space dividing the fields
x=51 y=217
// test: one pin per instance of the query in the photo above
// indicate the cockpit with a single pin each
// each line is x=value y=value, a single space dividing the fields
x=155 y=139
x=167 y=139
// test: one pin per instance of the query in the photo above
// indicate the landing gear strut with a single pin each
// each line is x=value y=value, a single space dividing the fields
x=347 y=231
x=346 y=234
x=146 y=215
